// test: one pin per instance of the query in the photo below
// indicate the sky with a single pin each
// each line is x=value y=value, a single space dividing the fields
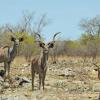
x=64 y=15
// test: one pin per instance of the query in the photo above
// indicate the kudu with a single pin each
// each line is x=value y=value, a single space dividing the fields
x=7 y=54
x=39 y=63
x=97 y=69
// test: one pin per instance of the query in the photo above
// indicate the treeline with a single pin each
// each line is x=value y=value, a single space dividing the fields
x=88 y=45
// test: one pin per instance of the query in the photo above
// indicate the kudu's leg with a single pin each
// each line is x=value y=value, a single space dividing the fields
x=33 y=76
x=5 y=65
x=43 y=82
x=43 y=79
x=6 y=70
x=40 y=81
x=10 y=80
x=99 y=74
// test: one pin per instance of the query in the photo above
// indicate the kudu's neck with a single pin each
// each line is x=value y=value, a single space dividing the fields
x=13 y=52
x=44 y=57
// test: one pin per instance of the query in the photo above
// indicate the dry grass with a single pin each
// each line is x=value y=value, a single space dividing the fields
x=19 y=60
x=66 y=58
x=57 y=87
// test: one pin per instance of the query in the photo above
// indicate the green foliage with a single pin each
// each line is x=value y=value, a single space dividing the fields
x=73 y=44
x=84 y=39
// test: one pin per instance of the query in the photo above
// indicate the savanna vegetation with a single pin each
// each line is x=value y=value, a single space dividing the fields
x=73 y=71
x=88 y=45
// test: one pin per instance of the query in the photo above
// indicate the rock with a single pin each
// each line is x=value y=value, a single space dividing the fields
x=68 y=72
x=14 y=97
x=66 y=90
x=96 y=87
x=25 y=65
x=50 y=97
x=78 y=82
x=22 y=80
x=93 y=74
x=6 y=85
x=60 y=83
x=17 y=78
x=2 y=72
x=1 y=82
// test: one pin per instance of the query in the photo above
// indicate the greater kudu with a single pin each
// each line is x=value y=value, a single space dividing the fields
x=39 y=63
x=7 y=54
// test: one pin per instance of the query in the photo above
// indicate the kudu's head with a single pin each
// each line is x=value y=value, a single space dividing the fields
x=46 y=46
x=15 y=39
x=97 y=69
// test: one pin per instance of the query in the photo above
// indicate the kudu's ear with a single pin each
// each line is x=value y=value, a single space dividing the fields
x=12 y=38
x=41 y=44
x=21 y=39
x=51 y=45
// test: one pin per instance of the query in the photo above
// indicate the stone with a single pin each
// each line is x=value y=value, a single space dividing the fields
x=24 y=80
x=6 y=85
x=68 y=72
x=96 y=87
x=14 y=97
x=53 y=97
x=2 y=72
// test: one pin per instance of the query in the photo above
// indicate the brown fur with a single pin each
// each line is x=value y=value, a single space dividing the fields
x=38 y=66
x=3 y=54
x=39 y=63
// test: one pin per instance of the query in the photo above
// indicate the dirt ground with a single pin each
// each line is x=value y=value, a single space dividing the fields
x=68 y=79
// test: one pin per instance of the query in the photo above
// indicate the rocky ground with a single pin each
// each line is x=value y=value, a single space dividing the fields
x=65 y=80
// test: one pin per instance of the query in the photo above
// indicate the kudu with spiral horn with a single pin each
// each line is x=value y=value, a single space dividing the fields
x=7 y=54
x=39 y=63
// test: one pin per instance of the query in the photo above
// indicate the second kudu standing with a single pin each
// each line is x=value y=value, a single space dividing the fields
x=39 y=63
x=7 y=54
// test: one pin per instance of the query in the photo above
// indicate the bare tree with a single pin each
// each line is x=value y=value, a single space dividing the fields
x=92 y=29
x=32 y=26
x=91 y=26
